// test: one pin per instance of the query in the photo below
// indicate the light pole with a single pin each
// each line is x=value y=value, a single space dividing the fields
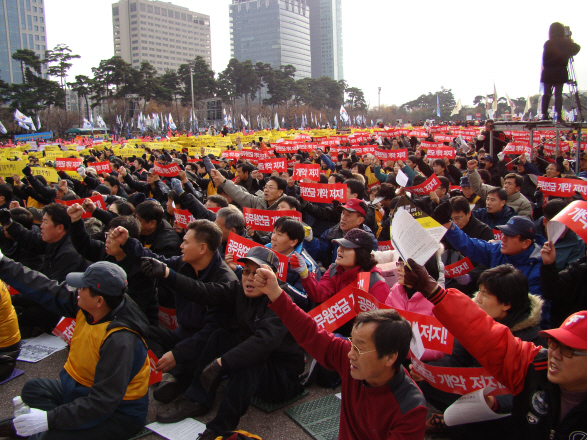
x=379 y=98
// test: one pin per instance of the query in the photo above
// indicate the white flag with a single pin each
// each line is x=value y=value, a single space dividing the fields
x=457 y=108
x=494 y=107
x=38 y=122
x=244 y=121
x=510 y=103
x=528 y=105
x=3 y=129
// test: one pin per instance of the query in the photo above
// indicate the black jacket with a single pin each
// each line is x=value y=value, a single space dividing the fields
x=158 y=191
x=163 y=241
x=555 y=58
x=59 y=259
x=13 y=250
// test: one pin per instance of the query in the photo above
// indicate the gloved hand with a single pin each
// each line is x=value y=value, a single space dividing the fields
x=463 y=280
x=176 y=186
x=443 y=212
x=153 y=268
x=82 y=172
x=309 y=233
x=539 y=197
x=211 y=375
x=5 y=219
x=419 y=279
x=31 y=423
x=27 y=171
x=298 y=264
x=500 y=156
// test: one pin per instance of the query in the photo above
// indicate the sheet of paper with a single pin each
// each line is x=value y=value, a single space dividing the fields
x=34 y=350
x=471 y=408
x=339 y=395
x=401 y=178
x=411 y=238
x=416 y=344
x=554 y=230
x=187 y=429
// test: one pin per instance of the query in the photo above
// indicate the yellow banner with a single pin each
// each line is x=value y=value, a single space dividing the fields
x=50 y=174
x=8 y=168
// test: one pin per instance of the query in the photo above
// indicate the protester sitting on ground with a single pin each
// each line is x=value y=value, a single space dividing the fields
x=569 y=247
x=272 y=192
x=549 y=385
x=103 y=388
x=15 y=251
x=230 y=219
x=379 y=400
x=353 y=255
x=9 y=334
x=261 y=357
x=503 y=295
x=466 y=191
x=512 y=185
x=496 y=212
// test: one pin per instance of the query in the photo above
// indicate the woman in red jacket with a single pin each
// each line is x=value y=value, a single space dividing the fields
x=352 y=257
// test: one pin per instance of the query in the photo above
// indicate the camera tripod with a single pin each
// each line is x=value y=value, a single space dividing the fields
x=574 y=95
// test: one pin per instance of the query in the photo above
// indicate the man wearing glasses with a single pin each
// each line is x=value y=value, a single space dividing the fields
x=549 y=384
x=379 y=399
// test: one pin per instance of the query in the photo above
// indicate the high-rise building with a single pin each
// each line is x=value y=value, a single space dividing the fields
x=272 y=31
x=326 y=38
x=22 y=26
x=161 y=33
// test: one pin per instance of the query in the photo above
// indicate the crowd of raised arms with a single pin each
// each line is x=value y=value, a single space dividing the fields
x=178 y=251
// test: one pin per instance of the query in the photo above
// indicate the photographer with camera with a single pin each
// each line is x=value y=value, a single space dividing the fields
x=557 y=50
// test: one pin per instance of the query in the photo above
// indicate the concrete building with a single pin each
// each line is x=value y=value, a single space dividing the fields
x=22 y=26
x=77 y=104
x=161 y=33
x=326 y=38
x=272 y=31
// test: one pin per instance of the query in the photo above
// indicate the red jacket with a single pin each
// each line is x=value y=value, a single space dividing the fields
x=394 y=411
x=328 y=286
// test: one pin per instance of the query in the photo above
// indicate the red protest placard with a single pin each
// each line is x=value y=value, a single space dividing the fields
x=330 y=142
x=154 y=375
x=230 y=154
x=443 y=137
x=214 y=209
x=67 y=163
x=12 y=290
x=426 y=145
x=418 y=133
x=458 y=380
x=98 y=201
x=385 y=246
x=517 y=148
x=182 y=217
x=440 y=153
x=497 y=235
x=64 y=329
x=306 y=171
x=267 y=166
x=336 y=311
x=574 y=217
x=168 y=317
x=285 y=148
x=435 y=336
x=365 y=149
x=335 y=151
x=552 y=186
x=170 y=170
x=427 y=187
x=322 y=192
x=401 y=154
x=101 y=167
x=461 y=267
x=264 y=220
x=239 y=246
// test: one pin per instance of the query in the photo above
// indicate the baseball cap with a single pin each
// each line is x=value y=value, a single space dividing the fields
x=103 y=276
x=356 y=238
x=465 y=181
x=261 y=255
x=573 y=332
x=356 y=205
x=488 y=157
x=518 y=225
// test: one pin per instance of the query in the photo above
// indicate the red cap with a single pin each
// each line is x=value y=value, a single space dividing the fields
x=356 y=205
x=573 y=332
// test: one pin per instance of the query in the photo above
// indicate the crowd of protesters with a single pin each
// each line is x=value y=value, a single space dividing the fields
x=114 y=265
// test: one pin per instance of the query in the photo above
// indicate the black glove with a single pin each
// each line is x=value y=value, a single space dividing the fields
x=419 y=279
x=539 y=198
x=27 y=171
x=5 y=219
x=211 y=375
x=443 y=212
x=153 y=268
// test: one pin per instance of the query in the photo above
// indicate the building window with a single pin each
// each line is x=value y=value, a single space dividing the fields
x=36 y=28
x=143 y=7
x=177 y=16
x=150 y=9
x=133 y=7
x=34 y=9
x=157 y=10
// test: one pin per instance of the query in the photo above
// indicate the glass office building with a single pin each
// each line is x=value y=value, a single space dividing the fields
x=272 y=31
x=326 y=38
x=22 y=26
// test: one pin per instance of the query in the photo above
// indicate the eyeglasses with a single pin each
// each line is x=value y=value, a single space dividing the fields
x=565 y=350
x=354 y=347
x=247 y=273
x=458 y=218
x=270 y=188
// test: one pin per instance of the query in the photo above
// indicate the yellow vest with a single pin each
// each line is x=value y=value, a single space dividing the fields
x=9 y=332
x=84 y=355
x=32 y=203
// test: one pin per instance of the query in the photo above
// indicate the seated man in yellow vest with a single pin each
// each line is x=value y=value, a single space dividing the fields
x=102 y=392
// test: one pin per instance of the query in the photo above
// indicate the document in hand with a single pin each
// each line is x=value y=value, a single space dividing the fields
x=410 y=239
x=471 y=408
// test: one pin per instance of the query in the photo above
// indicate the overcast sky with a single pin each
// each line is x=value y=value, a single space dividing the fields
x=406 y=48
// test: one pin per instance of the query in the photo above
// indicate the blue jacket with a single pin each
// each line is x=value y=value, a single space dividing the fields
x=328 y=162
x=493 y=220
x=568 y=248
x=489 y=255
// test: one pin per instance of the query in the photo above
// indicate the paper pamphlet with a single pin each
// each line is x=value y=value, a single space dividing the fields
x=435 y=229
x=471 y=408
x=410 y=239
x=554 y=230
x=187 y=429
x=401 y=178
x=34 y=350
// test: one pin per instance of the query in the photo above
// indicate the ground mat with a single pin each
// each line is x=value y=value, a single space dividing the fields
x=319 y=418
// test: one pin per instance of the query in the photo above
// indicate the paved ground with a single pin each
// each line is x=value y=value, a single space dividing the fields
x=272 y=426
